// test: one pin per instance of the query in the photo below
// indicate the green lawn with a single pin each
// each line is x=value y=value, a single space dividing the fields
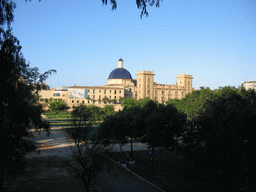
x=57 y=116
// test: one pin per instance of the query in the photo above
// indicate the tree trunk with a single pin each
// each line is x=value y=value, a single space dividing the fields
x=120 y=147
x=131 y=148
x=152 y=160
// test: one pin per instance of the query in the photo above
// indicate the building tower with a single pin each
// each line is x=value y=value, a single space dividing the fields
x=185 y=81
x=145 y=83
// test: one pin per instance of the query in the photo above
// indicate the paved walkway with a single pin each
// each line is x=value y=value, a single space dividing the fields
x=55 y=149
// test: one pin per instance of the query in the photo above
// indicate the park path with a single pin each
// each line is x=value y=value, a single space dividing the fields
x=47 y=171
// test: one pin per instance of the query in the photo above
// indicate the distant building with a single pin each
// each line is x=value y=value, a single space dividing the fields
x=249 y=85
x=120 y=84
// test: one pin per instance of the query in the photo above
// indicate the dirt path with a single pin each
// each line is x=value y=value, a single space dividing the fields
x=47 y=170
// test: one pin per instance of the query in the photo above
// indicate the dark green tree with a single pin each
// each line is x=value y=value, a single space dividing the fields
x=20 y=109
x=222 y=147
x=111 y=131
x=58 y=106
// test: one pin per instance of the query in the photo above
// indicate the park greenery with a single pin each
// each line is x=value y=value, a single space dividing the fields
x=57 y=106
x=217 y=127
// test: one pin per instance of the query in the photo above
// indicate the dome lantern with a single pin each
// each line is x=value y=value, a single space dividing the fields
x=120 y=63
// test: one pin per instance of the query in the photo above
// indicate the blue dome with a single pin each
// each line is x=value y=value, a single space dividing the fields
x=120 y=73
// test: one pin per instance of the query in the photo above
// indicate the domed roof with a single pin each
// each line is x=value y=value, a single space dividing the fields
x=120 y=73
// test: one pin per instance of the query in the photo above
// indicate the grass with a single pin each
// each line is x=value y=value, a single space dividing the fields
x=57 y=116
x=169 y=173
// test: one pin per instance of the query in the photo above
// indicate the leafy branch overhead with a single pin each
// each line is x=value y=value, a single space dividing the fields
x=141 y=4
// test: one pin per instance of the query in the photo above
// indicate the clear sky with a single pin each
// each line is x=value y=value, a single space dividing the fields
x=83 y=40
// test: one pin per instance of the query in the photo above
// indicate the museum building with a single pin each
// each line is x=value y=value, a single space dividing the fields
x=121 y=84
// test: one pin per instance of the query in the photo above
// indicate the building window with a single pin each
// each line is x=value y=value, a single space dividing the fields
x=109 y=97
x=88 y=101
x=180 y=82
x=139 y=85
x=83 y=101
x=100 y=96
x=99 y=91
x=93 y=91
x=130 y=90
x=115 y=92
x=104 y=91
x=155 y=98
x=148 y=86
x=162 y=92
x=162 y=98
x=155 y=92
x=93 y=96
x=72 y=101
x=115 y=97
x=148 y=79
x=88 y=91
x=109 y=91
x=148 y=91
x=93 y=101
x=77 y=101
x=120 y=91
x=189 y=82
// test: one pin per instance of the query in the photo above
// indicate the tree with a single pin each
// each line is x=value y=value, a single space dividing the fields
x=58 y=106
x=223 y=146
x=128 y=103
x=20 y=109
x=111 y=131
x=88 y=160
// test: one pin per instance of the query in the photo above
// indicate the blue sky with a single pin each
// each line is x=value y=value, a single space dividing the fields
x=83 y=40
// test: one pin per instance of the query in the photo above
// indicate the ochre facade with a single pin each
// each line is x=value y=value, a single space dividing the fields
x=120 y=84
